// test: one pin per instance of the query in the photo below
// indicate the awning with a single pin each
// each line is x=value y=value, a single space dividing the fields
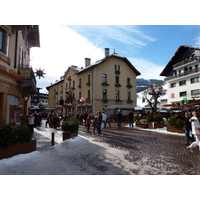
x=119 y=107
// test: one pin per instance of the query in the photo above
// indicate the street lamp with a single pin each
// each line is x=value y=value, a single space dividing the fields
x=155 y=92
x=82 y=101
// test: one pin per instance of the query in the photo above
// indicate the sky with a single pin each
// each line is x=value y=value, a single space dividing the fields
x=148 y=47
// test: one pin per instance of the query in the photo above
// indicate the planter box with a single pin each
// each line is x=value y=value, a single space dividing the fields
x=20 y=148
x=54 y=125
x=68 y=135
x=154 y=125
x=175 y=129
x=138 y=124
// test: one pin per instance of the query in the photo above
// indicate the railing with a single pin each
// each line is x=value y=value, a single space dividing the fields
x=182 y=74
x=183 y=62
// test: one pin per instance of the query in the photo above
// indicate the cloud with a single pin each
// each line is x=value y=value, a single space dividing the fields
x=197 y=39
x=147 y=69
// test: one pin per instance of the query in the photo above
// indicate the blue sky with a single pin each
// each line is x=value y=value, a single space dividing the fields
x=148 y=47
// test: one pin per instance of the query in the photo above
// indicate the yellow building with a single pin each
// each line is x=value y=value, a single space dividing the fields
x=109 y=81
x=17 y=80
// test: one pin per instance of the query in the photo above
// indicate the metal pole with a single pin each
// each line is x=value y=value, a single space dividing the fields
x=52 y=138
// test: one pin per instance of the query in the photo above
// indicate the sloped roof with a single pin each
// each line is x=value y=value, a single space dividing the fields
x=183 y=52
x=108 y=57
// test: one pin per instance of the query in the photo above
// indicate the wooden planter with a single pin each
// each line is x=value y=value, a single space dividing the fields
x=54 y=125
x=20 y=148
x=155 y=125
x=138 y=124
x=69 y=134
x=175 y=129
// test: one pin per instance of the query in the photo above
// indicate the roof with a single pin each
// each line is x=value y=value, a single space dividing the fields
x=182 y=53
x=108 y=57
x=57 y=82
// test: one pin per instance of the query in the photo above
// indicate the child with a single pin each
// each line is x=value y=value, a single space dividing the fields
x=88 y=121
x=95 y=124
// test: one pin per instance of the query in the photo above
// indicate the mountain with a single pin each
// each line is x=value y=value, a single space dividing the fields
x=142 y=84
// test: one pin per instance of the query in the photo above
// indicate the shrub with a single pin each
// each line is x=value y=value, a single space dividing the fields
x=137 y=118
x=71 y=124
x=154 y=118
x=10 y=135
x=54 y=119
x=174 y=121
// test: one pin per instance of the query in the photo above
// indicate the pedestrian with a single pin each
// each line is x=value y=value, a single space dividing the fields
x=30 y=120
x=100 y=123
x=187 y=128
x=85 y=116
x=195 y=130
x=107 y=120
x=88 y=122
x=119 y=119
x=104 y=118
x=95 y=124
x=130 y=119
x=81 y=119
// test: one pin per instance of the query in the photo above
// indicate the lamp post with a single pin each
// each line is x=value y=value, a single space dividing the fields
x=82 y=101
x=152 y=94
x=26 y=98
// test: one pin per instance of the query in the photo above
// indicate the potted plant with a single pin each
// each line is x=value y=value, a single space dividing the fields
x=175 y=124
x=15 y=140
x=54 y=122
x=70 y=127
x=137 y=119
x=155 y=121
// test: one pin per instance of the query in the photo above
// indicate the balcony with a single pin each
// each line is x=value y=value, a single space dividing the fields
x=68 y=90
x=183 y=74
x=187 y=61
x=28 y=83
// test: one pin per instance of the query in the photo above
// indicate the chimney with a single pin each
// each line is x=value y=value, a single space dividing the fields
x=106 y=52
x=87 y=62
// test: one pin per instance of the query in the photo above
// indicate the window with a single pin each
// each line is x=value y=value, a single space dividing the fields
x=117 y=95
x=182 y=82
x=196 y=66
x=183 y=94
x=88 y=78
x=79 y=95
x=2 y=40
x=128 y=81
x=172 y=85
x=117 y=80
x=104 y=94
x=104 y=78
x=195 y=92
x=194 y=80
x=190 y=68
x=128 y=95
x=88 y=96
x=117 y=67
x=73 y=83
x=79 y=81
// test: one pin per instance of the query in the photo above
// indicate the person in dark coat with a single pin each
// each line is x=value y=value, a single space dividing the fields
x=130 y=119
x=187 y=128
x=100 y=117
x=85 y=116
x=119 y=119
x=95 y=124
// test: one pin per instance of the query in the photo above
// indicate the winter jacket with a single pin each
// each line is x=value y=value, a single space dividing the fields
x=195 y=125
x=95 y=123
x=31 y=119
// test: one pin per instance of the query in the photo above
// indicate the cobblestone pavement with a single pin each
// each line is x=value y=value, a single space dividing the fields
x=151 y=151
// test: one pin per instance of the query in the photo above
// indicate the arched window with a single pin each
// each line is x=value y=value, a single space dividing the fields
x=104 y=78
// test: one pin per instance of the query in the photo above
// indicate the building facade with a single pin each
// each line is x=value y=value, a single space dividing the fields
x=17 y=78
x=183 y=75
x=109 y=81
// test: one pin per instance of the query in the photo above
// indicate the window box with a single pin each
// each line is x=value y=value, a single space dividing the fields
x=117 y=85
x=129 y=86
x=105 y=100
x=117 y=72
x=88 y=84
x=105 y=84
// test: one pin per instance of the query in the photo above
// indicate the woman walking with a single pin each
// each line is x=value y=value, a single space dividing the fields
x=195 y=130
